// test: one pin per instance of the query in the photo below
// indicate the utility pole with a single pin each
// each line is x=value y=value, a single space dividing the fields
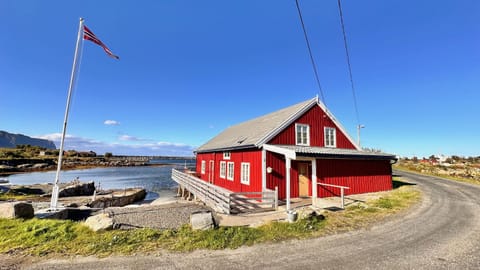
x=358 y=134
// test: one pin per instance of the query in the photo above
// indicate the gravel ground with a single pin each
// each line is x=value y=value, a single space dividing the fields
x=167 y=216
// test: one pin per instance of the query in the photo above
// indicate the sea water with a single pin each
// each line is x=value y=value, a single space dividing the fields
x=155 y=179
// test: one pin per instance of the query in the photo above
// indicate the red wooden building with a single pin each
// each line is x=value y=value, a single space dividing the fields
x=294 y=149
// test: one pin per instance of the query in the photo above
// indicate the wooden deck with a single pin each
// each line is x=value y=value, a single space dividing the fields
x=223 y=200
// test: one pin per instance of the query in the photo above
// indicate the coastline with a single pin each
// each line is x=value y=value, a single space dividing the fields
x=12 y=167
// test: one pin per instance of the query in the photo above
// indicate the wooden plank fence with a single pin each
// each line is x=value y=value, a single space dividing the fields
x=224 y=200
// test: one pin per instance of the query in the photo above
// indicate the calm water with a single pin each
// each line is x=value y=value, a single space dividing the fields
x=155 y=179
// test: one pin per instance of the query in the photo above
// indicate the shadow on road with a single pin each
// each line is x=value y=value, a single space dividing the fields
x=396 y=183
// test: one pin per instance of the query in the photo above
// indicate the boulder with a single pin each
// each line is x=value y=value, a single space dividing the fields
x=100 y=222
x=201 y=220
x=16 y=210
x=77 y=189
x=119 y=198
x=40 y=165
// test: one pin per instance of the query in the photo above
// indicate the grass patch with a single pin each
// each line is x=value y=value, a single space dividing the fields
x=53 y=237
x=449 y=177
x=20 y=194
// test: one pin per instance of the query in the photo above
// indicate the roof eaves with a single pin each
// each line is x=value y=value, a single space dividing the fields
x=222 y=149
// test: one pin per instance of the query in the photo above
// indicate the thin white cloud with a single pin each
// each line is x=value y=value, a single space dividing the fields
x=111 y=123
x=140 y=149
x=129 y=138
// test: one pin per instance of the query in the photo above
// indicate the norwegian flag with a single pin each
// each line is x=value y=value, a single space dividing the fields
x=89 y=35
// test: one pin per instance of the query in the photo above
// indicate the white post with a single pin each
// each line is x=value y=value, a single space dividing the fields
x=314 y=182
x=343 y=200
x=54 y=199
x=287 y=171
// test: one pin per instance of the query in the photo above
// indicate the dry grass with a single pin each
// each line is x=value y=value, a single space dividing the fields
x=66 y=238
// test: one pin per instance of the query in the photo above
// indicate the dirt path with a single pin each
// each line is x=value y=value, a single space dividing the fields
x=442 y=233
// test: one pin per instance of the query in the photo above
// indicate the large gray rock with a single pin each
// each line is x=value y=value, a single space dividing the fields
x=78 y=189
x=16 y=210
x=100 y=222
x=119 y=198
x=201 y=220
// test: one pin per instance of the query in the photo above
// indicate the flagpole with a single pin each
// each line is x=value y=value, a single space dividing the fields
x=54 y=199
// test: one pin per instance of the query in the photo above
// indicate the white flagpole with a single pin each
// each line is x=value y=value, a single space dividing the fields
x=54 y=199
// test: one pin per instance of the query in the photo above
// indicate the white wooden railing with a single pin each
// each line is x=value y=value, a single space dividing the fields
x=342 y=192
x=254 y=201
x=224 y=200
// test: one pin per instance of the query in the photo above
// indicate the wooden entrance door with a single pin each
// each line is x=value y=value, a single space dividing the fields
x=211 y=172
x=303 y=179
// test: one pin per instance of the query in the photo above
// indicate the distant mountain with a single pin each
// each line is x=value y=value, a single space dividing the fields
x=9 y=140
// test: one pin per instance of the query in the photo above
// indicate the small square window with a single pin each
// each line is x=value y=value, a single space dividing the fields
x=203 y=167
x=226 y=155
x=330 y=135
x=230 y=170
x=245 y=173
x=223 y=169
x=302 y=134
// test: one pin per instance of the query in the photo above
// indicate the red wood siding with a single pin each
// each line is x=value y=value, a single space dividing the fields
x=277 y=177
x=317 y=120
x=254 y=157
x=361 y=176
x=207 y=157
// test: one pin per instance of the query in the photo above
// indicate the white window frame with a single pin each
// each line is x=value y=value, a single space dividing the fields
x=230 y=171
x=330 y=136
x=203 y=166
x=226 y=155
x=223 y=169
x=304 y=134
x=245 y=173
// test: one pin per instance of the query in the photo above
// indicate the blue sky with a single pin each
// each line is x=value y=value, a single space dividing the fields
x=189 y=69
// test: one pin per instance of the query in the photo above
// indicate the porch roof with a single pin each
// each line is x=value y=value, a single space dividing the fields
x=297 y=151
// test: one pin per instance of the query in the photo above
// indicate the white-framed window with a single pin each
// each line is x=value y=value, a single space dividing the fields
x=204 y=164
x=226 y=155
x=330 y=137
x=245 y=173
x=223 y=169
x=230 y=170
x=302 y=134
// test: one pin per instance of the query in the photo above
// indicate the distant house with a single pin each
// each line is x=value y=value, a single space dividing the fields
x=297 y=149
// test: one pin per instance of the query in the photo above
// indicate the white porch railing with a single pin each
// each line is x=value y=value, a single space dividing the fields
x=224 y=200
x=342 y=192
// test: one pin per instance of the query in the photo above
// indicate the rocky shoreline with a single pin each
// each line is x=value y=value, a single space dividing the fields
x=14 y=166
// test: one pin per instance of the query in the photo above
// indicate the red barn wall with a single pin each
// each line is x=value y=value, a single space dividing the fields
x=361 y=176
x=317 y=120
x=254 y=157
x=277 y=177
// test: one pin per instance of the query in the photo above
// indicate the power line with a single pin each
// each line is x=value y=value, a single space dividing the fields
x=310 y=52
x=348 y=62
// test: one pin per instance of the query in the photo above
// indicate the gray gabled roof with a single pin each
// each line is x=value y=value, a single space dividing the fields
x=253 y=132
x=256 y=132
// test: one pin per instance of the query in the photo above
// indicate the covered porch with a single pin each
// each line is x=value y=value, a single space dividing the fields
x=297 y=173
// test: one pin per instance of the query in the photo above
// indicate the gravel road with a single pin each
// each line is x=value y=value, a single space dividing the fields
x=443 y=232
